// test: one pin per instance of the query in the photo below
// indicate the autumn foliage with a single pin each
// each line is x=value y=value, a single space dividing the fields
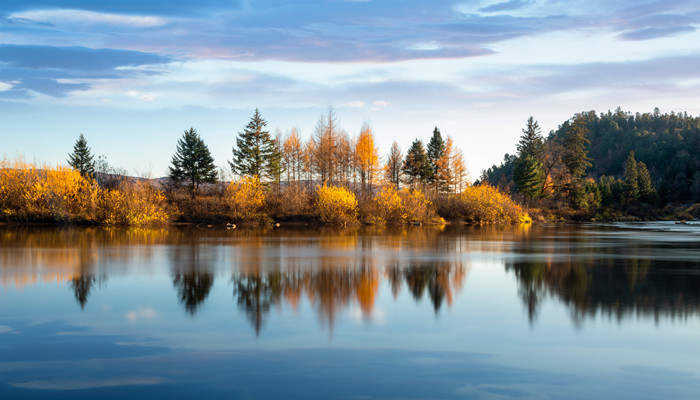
x=28 y=192
x=336 y=206
x=484 y=203
x=246 y=198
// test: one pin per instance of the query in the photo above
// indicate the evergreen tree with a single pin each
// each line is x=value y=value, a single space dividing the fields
x=436 y=149
x=255 y=153
x=631 y=191
x=81 y=159
x=528 y=175
x=531 y=142
x=647 y=191
x=576 y=160
x=416 y=166
x=528 y=171
x=192 y=162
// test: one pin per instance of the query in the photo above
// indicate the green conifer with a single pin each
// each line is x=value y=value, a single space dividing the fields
x=255 y=153
x=80 y=159
x=192 y=162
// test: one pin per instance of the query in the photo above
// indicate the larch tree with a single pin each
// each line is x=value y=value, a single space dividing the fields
x=192 y=162
x=460 y=171
x=255 y=153
x=367 y=156
x=394 y=164
x=292 y=152
x=325 y=138
x=81 y=158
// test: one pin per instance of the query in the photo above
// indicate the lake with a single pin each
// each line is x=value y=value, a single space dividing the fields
x=545 y=311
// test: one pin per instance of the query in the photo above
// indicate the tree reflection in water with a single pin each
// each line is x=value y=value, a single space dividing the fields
x=193 y=275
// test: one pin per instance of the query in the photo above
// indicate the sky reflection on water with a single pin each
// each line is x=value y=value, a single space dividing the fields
x=461 y=312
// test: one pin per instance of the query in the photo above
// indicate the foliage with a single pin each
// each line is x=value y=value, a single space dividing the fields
x=135 y=203
x=416 y=166
x=631 y=193
x=435 y=151
x=63 y=194
x=417 y=206
x=528 y=174
x=336 y=206
x=255 y=153
x=246 y=198
x=367 y=157
x=81 y=159
x=388 y=207
x=192 y=161
x=485 y=203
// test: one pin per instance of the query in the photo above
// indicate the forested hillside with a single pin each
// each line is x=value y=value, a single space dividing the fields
x=667 y=144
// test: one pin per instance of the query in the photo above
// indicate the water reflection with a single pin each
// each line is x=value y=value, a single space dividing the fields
x=607 y=271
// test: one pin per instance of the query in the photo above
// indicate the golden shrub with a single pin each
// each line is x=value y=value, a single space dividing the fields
x=135 y=203
x=246 y=198
x=336 y=205
x=485 y=203
x=418 y=207
x=388 y=207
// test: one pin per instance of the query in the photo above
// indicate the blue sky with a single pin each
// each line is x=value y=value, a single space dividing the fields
x=133 y=75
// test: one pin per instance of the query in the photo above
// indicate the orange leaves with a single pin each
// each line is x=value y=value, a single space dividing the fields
x=336 y=205
x=394 y=207
x=485 y=203
x=246 y=199
x=60 y=193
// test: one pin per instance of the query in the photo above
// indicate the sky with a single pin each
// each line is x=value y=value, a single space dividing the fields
x=133 y=75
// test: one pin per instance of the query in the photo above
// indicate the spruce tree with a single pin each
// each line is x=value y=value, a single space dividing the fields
x=528 y=172
x=528 y=175
x=192 y=162
x=436 y=149
x=631 y=191
x=255 y=153
x=576 y=160
x=81 y=160
x=647 y=191
x=416 y=166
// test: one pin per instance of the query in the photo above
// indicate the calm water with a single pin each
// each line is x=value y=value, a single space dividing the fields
x=589 y=311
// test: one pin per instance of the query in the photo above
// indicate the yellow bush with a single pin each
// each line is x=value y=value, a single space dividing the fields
x=246 y=199
x=388 y=207
x=336 y=205
x=418 y=207
x=60 y=193
x=135 y=203
x=485 y=203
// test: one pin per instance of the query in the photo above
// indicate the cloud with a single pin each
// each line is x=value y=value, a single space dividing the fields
x=82 y=17
x=5 y=86
x=655 y=33
x=82 y=384
x=49 y=69
x=505 y=6
x=141 y=313
x=355 y=104
x=381 y=103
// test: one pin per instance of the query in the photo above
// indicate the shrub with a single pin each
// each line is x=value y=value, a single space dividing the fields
x=485 y=203
x=336 y=205
x=135 y=203
x=246 y=198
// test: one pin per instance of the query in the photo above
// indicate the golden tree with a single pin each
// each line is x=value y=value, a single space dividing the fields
x=367 y=158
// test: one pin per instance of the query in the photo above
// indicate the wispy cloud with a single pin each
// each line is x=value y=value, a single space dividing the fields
x=82 y=17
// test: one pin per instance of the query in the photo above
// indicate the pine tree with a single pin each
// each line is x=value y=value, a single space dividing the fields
x=192 y=162
x=531 y=142
x=528 y=175
x=631 y=191
x=528 y=172
x=255 y=153
x=416 y=166
x=576 y=160
x=647 y=191
x=81 y=160
x=436 y=149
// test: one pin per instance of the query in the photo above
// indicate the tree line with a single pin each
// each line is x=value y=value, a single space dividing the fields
x=596 y=163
